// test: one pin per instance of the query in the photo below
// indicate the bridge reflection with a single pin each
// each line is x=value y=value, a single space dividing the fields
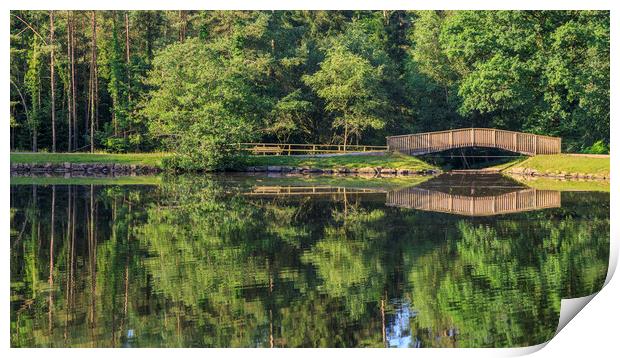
x=519 y=199
x=513 y=202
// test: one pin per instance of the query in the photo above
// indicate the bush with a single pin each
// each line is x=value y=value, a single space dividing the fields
x=599 y=147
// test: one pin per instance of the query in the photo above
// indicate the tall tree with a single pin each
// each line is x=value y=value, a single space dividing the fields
x=93 y=81
x=52 y=81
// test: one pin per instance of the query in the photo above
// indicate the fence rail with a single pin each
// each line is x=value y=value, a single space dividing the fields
x=297 y=149
x=430 y=142
x=514 y=202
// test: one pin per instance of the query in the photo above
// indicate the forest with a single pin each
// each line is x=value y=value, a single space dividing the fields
x=193 y=82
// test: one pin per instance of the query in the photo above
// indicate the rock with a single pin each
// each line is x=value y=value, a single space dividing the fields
x=274 y=168
x=286 y=169
x=402 y=171
x=260 y=169
x=328 y=171
x=387 y=171
x=67 y=165
x=342 y=170
x=366 y=170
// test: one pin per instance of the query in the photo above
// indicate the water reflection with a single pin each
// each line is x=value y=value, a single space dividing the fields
x=194 y=262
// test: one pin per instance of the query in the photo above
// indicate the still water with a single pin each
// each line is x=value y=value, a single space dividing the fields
x=227 y=261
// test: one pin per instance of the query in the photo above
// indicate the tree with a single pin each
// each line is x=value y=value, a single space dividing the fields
x=52 y=81
x=351 y=88
x=201 y=108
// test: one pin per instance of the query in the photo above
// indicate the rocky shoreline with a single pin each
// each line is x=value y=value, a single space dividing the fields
x=342 y=170
x=99 y=169
x=554 y=175
x=77 y=169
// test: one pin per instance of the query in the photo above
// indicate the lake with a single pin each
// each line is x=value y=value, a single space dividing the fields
x=255 y=261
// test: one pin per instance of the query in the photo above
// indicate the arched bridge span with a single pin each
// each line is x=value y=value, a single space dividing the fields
x=431 y=142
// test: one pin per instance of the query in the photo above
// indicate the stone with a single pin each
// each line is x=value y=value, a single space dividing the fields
x=387 y=171
x=402 y=171
x=274 y=168
x=366 y=170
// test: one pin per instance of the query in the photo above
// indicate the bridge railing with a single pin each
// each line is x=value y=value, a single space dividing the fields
x=296 y=149
x=525 y=143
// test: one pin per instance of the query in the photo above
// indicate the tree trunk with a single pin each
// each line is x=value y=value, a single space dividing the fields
x=52 y=81
x=93 y=98
x=182 y=25
x=69 y=87
x=346 y=134
x=128 y=58
x=73 y=84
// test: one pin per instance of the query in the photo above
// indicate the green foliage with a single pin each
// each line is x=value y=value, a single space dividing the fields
x=350 y=86
x=599 y=147
x=200 y=108
x=310 y=76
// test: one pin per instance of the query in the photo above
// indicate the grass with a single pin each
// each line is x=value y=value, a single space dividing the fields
x=392 y=161
x=558 y=163
x=565 y=185
x=121 y=180
x=151 y=159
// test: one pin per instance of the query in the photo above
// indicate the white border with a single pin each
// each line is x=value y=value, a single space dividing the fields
x=593 y=331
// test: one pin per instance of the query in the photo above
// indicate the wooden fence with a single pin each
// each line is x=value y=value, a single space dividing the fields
x=293 y=149
x=518 y=201
x=524 y=143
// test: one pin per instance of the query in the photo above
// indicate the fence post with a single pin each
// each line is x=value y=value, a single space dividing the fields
x=451 y=140
x=514 y=142
x=472 y=138
x=535 y=144
x=495 y=138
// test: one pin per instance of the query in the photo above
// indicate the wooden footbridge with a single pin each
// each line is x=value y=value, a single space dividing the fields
x=431 y=142
x=513 y=202
x=423 y=143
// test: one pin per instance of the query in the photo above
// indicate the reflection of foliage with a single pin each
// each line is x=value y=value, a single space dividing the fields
x=499 y=278
x=191 y=263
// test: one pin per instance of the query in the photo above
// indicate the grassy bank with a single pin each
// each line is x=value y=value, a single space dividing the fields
x=561 y=164
x=344 y=161
x=151 y=159
x=56 y=180
x=564 y=185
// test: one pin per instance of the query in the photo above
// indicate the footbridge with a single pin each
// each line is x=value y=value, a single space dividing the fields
x=431 y=142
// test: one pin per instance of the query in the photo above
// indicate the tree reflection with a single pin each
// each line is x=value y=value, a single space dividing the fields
x=192 y=263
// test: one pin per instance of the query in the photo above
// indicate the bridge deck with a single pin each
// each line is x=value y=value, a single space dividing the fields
x=524 y=143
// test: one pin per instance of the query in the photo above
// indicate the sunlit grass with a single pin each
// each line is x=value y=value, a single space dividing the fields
x=152 y=159
x=558 y=163
x=58 y=180
x=564 y=185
